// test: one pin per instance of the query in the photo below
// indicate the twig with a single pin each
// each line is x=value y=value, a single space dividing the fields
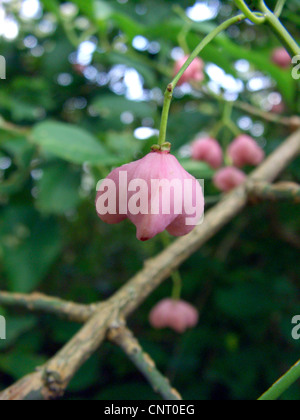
x=273 y=192
x=41 y=303
x=293 y=122
x=52 y=379
x=124 y=338
x=7 y=126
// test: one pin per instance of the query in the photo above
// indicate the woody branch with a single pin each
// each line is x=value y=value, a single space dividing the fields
x=51 y=380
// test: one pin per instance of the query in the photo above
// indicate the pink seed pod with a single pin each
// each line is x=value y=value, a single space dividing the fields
x=193 y=73
x=281 y=58
x=155 y=193
x=176 y=314
x=208 y=150
x=245 y=151
x=226 y=179
x=278 y=108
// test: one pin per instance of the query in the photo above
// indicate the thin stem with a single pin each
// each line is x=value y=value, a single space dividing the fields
x=177 y=285
x=216 y=130
x=279 y=7
x=195 y=53
x=227 y=112
x=175 y=275
x=268 y=116
x=182 y=39
x=279 y=29
x=293 y=121
x=204 y=43
x=165 y=115
x=232 y=127
x=248 y=13
x=227 y=120
x=282 y=384
x=7 y=126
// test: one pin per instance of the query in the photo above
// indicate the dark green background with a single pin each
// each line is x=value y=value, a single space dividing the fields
x=245 y=282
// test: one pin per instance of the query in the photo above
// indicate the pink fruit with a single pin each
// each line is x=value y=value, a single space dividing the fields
x=155 y=193
x=282 y=58
x=208 y=150
x=228 y=178
x=193 y=73
x=278 y=108
x=245 y=151
x=176 y=314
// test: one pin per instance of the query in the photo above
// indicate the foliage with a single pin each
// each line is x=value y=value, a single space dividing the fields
x=78 y=121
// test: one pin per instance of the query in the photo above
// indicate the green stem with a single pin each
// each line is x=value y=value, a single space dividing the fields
x=233 y=128
x=279 y=29
x=227 y=112
x=4 y=125
x=176 y=277
x=216 y=130
x=165 y=114
x=282 y=384
x=204 y=43
x=195 y=53
x=248 y=13
x=182 y=39
x=227 y=120
x=279 y=7
x=177 y=285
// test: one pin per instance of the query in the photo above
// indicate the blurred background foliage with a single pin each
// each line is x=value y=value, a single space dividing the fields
x=85 y=82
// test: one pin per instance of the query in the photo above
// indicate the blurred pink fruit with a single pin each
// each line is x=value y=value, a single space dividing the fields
x=176 y=314
x=282 y=58
x=208 y=150
x=193 y=73
x=244 y=150
x=226 y=179
x=278 y=108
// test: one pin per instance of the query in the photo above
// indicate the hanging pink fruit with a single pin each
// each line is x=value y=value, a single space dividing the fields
x=281 y=58
x=244 y=150
x=155 y=193
x=193 y=73
x=176 y=314
x=208 y=150
x=226 y=179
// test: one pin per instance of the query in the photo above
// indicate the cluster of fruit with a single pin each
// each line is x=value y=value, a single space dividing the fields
x=243 y=151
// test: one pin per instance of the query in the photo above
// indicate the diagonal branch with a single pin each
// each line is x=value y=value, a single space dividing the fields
x=42 y=303
x=52 y=379
x=283 y=384
x=123 y=337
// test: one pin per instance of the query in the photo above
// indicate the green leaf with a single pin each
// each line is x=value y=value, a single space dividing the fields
x=58 y=189
x=87 y=376
x=261 y=60
x=135 y=61
x=20 y=150
x=20 y=363
x=29 y=246
x=16 y=326
x=130 y=27
x=124 y=145
x=70 y=143
x=199 y=169
x=112 y=105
